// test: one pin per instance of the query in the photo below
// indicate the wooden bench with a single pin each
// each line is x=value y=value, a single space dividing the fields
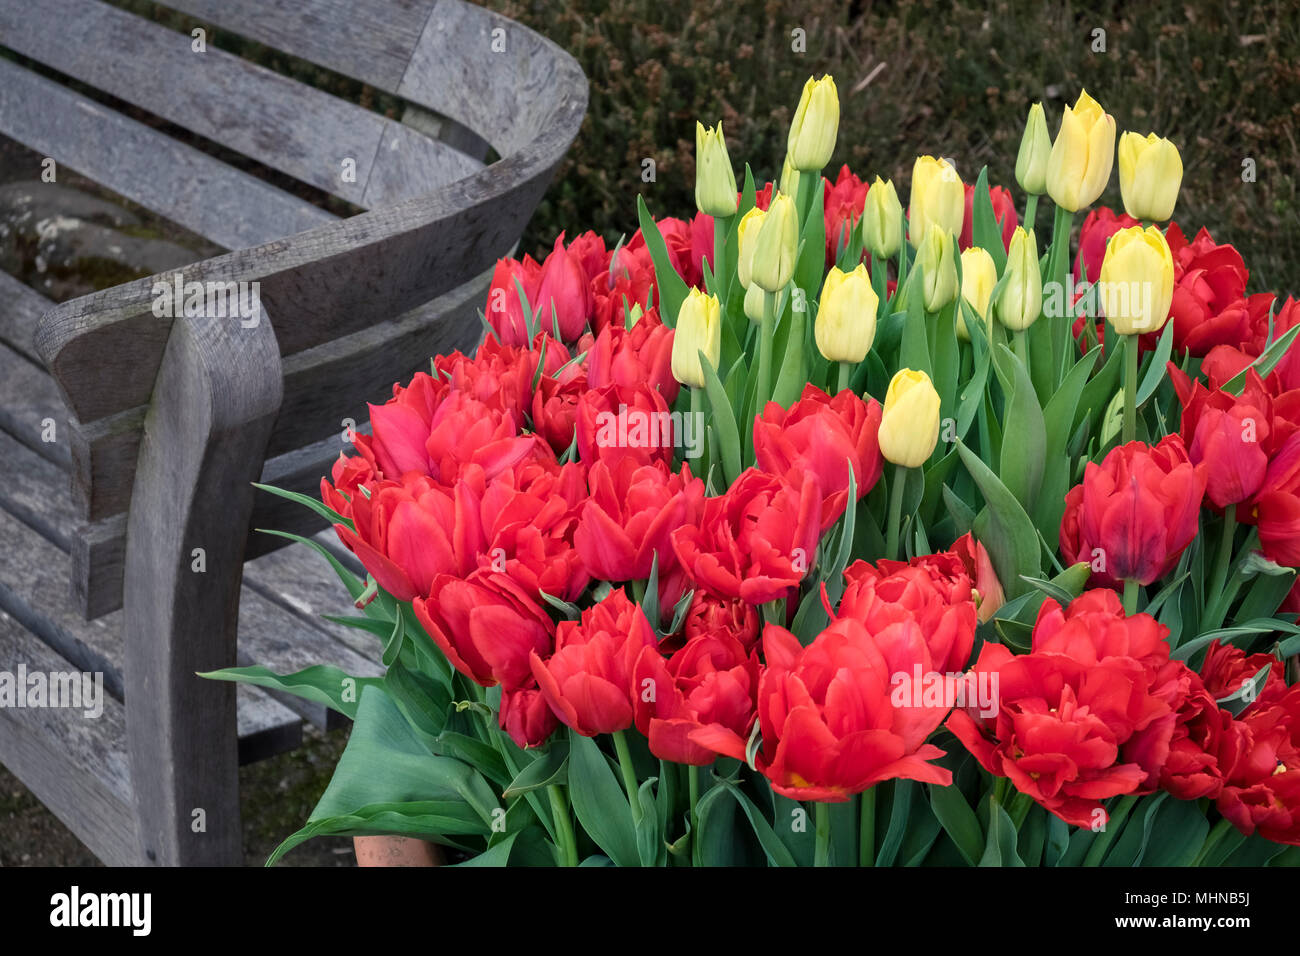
x=162 y=424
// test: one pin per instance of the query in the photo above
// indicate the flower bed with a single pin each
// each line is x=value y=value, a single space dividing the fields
x=659 y=581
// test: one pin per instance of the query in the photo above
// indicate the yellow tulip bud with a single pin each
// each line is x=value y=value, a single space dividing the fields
x=754 y=297
x=816 y=125
x=1035 y=149
x=909 y=423
x=979 y=275
x=846 y=315
x=937 y=258
x=789 y=178
x=1150 y=172
x=715 y=181
x=746 y=240
x=882 y=220
x=699 y=329
x=776 y=245
x=1020 y=302
x=1082 y=156
x=938 y=197
x=1137 y=280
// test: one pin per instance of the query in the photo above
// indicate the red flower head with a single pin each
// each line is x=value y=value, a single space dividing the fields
x=755 y=542
x=631 y=515
x=627 y=283
x=1209 y=306
x=1134 y=513
x=348 y=476
x=401 y=427
x=822 y=436
x=526 y=717
x=564 y=291
x=989 y=595
x=641 y=355
x=1206 y=743
x=501 y=377
x=688 y=243
x=935 y=591
x=505 y=312
x=631 y=422
x=1226 y=669
x=698 y=703
x=486 y=626
x=710 y=614
x=842 y=208
x=1262 y=791
x=1226 y=436
x=1004 y=213
x=588 y=681
x=831 y=726
x=555 y=407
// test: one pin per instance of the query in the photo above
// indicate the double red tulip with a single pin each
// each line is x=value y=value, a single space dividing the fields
x=626 y=422
x=526 y=716
x=823 y=437
x=588 y=681
x=1134 y=513
x=1262 y=791
x=505 y=311
x=1227 y=436
x=564 y=291
x=1207 y=743
x=710 y=614
x=842 y=208
x=636 y=356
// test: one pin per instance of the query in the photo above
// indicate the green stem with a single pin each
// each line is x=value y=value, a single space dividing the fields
x=845 y=376
x=804 y=193
x=767 y=328
x=693 y=788
x=1022 y=347
x=822 y=853
x=568 y=844
x=1130 y=596
x=1224 y=557
x=1114 y=824
x=867 y=829
x=629 y=772
x=1031 y=210
x=1058 y=260
x=700 y=468
x=895 y=511
x=721 y=226
x=1021 y=804
x=1130 y=388
x=1216 y=835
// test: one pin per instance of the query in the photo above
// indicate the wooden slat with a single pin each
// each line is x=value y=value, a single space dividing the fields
x=176 y=181
x=98 y=566
x=370 y=40
x=280 y=122
x=76 y=766
x=21 y=306
x=103 y=462
x=28 y=398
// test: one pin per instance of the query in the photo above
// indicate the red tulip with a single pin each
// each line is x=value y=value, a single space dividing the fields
x=641 y=355
x=842 y=208
x=563 y=293
x=588 y=681
x=1134 y=513
x=1004 y=214
x=1207 y=741
x=633 y=422
x=555 y=408
x=710 y=614
x=755 y=542
x=526 y=717
x=505 y=312
x=830 y=726
x=1262 y=791
x=989 y=595
x=1226 y=436
x=1226 y=669
x=486 y=626
x=401 y=427
x=821 y=436
x=630 y=517
x=628 y=282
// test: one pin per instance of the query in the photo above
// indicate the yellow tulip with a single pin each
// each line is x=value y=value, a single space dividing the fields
x=1150 y=172
x=1082 y=156
x=979 y=275
x=754 y=297
x=937 y=258
x=846 y=315
x=1035 y=148
x=776 y=245
x=938 y=197
x=1137 y=280
x=699 y=329
x=882 y=220
x=1021 y=300
x=715 y=181
x=746 y=240
x=909 y=423
x=789 y=178
x=816 y=125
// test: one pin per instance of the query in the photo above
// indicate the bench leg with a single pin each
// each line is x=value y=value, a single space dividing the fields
x=214 y=403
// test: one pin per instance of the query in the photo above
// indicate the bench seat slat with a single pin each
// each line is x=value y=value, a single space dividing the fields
x=21 y=306
x=176 y=181
x=278 y=121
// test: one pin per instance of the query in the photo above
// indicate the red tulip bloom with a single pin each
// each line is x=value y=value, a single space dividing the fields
x=505 y=311
x=563 y=293
x=710 y=614
x=829 y=722
x=633 y=422
x=640 y=355
x=1004 y=214
x=698 y=703
x=630 y=517
x=842 y=208
x=1262 y=791
x=755 y=542
x=627 y=283
x=401 y=427
x=989 y=595
x=555 y=408
x=822 y=436
x=1207 y=742
x=1226 y=436
x=1134 y=513
x=588 y=681
x=526 y=717
x=486 y=626
x=1226 y=669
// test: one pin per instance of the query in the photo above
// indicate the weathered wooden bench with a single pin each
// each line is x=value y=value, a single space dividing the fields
x=160 y=425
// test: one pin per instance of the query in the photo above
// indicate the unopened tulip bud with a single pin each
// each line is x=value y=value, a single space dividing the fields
x=1150 y=172
x=882 y=220
x=715 y=181
x=816 y=125
x=754 y=298
x=1082 y=156
x=937 y=258
x=979 y=274
x=776 y=246
x=938 y=198
x=909 y=423
x=846 y=315
x=1137 y=280
x=1021 y=300
x=789 y=178
x=699 y=329
x=1035 y=150
x=746 y=240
